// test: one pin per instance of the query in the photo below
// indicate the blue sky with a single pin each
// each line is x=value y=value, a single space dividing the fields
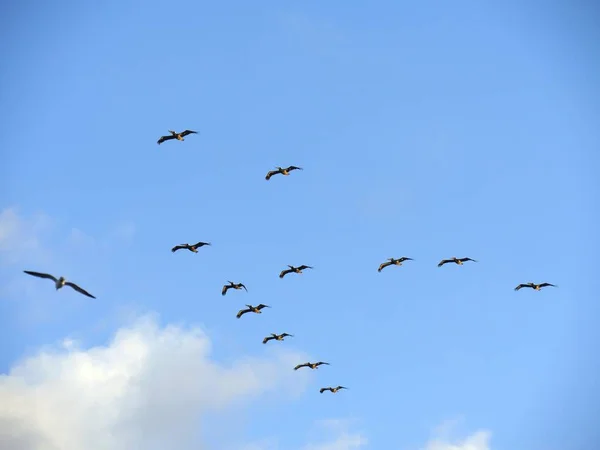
x=426 y=130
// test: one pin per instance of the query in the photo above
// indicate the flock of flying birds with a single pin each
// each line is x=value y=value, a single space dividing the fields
x=62 y=281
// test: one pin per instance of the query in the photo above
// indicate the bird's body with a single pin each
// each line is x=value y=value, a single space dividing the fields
x=535 y=287
x=175 y=135
x=311 y=365
x=293 y=269
x=455 y=260
x=283 y=171
x=253 y=309
x=332 y=389
x=394 y=262
x=59 y=282
x=277 y=337
x=233 y=285
x=192 y=248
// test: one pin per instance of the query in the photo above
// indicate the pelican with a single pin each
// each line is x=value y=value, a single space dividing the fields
x=59 y=282
x=192 y=248
x=277 y=337
x=536 y=287
x=291 y=269
x=455 y=260
x=311 y=365
x=392 y=261
x=174 y=135
x=332 y=389
x=282 y=171
x=233 y=285
x=254 y=309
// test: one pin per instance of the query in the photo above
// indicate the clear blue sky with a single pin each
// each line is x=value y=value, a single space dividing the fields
x=425 y=130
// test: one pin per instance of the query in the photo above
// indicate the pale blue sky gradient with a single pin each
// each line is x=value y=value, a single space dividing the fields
x=427 y=129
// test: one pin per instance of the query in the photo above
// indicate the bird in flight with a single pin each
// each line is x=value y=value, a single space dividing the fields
x=455 y=260
x=277 y=337
x=59 y=282
x=282 y=171
x=311 y=365
x=392 y=261
x=233 y=285
x=192 y=248
x=536 y=287
x=254 y=309
x=332 y=389
x=293 y=269
x=175 y=135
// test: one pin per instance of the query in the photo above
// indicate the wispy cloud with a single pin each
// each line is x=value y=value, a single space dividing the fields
x=21 y=238
x=148 y=388
x=338 y=436
x=444 y=438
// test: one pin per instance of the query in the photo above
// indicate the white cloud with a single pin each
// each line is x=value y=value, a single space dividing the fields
x=149 y=388
x=480 y=440
x=340 y=438
x=20 y=237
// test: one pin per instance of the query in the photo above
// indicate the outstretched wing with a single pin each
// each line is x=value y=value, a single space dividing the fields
x=267 y=339
x=201 y=244
x=186 y=132
x=261 y=306
x=164 y=138
x=301 y=365
x=271 y=173
x=225 y=288
x=242 y=286
x=466 y=259
x=302 y=267
x=241 y=312
x=522 y=286
x=293 y=168
x=384 y=265
x=78 y=289
x=325 y=389
x=405 y=258
x=444 y=261
x=547 y=284
x=41 y=275
x=341 y=387
x=285 y=272
x=322 y=363
x=179 y=247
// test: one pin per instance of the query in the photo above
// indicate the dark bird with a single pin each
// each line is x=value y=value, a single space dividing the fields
x=311 y=365
x=291 y=269
x=455 y=260
x=174 y=135
x=392 y=261
x=192 y=248
x=277 y=337
x=254 y=309
x=536 y=287
x=59 y=282
x=282 y=171
x=332 y=389
x=232 y=285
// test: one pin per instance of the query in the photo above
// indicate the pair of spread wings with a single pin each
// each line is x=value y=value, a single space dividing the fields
x=533 y=285
x=275 y=172
x=332 y=389
x=392 y=261
x=293 y=269
x=446 y=261
x=172 y=136
x=53 y=278
x=232 y=286
x=310 y=365
x=275 y=336
x=188 y=246
x=250 y=308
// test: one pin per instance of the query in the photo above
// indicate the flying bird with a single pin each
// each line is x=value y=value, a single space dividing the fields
x=291 y=269
x=536 y=287
x=192 y=248
x=232 y=285
x=455 y=260
x=174 y=135
x=282 y=171
x=254 y=309
x=332 y=389
x=277 y=337
x=311 y=365
x=59 y=282
x=392 y=261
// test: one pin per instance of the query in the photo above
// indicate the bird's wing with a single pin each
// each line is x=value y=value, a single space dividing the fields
x=302 y=267
x=164 y=138
x=467 y=259
x=405 y=258
x=179 y=247
x=341 y=387
x=241 y=312
x=201 y=244
x=78 y=289
x=41 y=275
x=284 y=273
x=547 y=284
x=293 y=168
x=324 y=389
x=384 y=265
x=301 y=365
x=261 y=306
x=242 y=285
x=444 y=261
x=321 y=363
x=521 y=286
x=225 y=288
x=186 y=132
x=271 y=173
x=267 y=339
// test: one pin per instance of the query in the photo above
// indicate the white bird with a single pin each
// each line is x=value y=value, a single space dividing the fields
x=59 y=282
